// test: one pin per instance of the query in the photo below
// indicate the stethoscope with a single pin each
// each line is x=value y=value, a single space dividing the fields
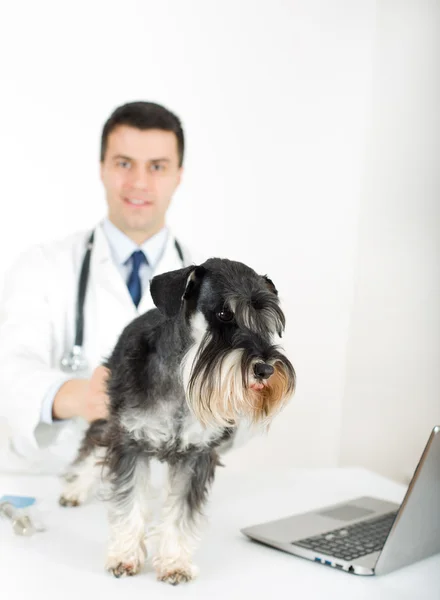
x=74 y=360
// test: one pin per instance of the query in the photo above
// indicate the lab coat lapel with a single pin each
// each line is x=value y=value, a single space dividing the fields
x=108 y=301
x=104 y=271
x=170 y=261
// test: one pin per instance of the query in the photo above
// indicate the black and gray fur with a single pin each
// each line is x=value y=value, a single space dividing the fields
x=183 y=378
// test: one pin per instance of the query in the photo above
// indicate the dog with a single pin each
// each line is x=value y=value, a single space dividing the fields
x=183 y=377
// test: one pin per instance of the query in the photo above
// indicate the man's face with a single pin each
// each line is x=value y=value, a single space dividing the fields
x=140 y=173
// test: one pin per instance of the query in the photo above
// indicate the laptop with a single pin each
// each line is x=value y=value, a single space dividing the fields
x=367 y=536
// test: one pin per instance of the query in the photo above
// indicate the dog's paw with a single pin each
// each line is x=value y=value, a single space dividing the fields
x=75 y=491
x=177 y=574
x=124 y=568
x=65 y=500
x=73 y=494
x=130 y=564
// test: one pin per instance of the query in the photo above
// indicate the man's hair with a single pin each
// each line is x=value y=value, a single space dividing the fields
x=144 y=115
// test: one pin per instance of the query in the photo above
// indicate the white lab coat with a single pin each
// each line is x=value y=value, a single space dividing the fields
x=37 y=323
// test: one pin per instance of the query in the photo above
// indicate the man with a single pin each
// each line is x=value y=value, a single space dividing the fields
x=47 y=409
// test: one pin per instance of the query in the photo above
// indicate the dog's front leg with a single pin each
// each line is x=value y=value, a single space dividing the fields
x=129 y=510
x=178 y=532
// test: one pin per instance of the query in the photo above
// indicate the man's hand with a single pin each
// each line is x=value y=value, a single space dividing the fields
x=95 y=401
x=86 y=398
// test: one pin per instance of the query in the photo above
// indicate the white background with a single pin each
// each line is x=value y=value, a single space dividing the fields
x=312 y=132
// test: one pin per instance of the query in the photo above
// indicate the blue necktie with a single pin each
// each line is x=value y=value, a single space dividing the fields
x=138 y=258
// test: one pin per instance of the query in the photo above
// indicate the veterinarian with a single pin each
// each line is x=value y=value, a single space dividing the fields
x=65 y=303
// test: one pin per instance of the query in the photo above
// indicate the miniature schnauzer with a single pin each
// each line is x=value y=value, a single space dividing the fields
x=183 y=377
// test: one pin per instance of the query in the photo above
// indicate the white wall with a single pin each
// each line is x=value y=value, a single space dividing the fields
x=392 y=394
x=275 y=99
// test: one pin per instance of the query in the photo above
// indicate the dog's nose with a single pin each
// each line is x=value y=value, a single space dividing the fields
x=263 y=371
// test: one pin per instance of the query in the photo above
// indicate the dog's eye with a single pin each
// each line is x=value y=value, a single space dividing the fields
x=225 y=315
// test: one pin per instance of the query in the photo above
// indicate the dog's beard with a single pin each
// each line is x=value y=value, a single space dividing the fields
x=221 y=389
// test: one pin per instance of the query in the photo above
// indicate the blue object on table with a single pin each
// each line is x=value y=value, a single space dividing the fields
x=19 y=501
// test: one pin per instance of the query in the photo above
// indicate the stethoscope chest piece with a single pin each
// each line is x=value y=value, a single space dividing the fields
x=74 y=361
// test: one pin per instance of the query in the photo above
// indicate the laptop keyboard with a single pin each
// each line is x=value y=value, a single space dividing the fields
x=352 y=541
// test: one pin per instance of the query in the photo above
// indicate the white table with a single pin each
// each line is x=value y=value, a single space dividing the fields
x=67 y=560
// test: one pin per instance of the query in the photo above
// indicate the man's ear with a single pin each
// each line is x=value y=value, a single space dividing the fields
x=270 y=285
x=170 y=289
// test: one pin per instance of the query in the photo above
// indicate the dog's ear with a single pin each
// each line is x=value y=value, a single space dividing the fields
x=170 y=289
x=270 y=285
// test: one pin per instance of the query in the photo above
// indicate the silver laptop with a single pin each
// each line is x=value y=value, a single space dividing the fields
x=367 y=536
